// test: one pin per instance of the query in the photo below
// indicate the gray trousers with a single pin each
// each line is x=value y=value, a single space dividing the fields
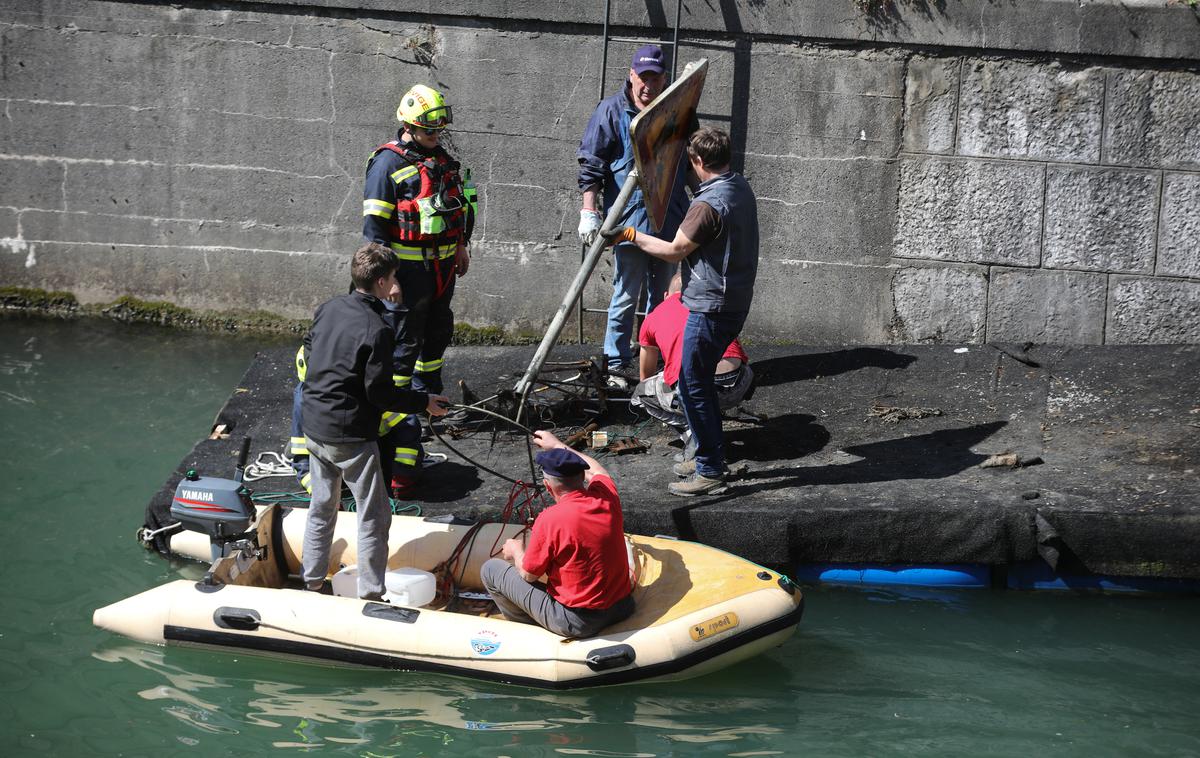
x=358 y=465
x=528 y=603
x=661 y=401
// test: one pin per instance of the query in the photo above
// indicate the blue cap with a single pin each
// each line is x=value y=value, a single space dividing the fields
x=648 y=58
x=560 y=462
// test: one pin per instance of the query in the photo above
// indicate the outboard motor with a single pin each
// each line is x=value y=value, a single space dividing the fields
x=220 y=508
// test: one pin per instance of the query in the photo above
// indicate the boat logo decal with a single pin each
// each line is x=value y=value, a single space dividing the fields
x=714 y=626
x=485 y=642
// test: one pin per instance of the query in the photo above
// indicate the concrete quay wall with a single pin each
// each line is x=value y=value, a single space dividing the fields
x=933 y=172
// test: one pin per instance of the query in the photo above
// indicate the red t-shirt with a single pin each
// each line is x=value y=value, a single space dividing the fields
x=663 y=328
x=579 y=544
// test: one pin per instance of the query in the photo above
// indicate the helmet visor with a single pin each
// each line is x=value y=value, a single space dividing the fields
x=435 y=118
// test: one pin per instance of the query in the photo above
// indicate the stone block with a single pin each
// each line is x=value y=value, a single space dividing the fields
x=1153 y=119
x=113 y=229
x=518 y=286
x=165 y=135
x=235 y=195
x=942 y=304
x=538 y=215
x=969 y=211
x=931 y=104
x=1149 y=311
x=824 y=210
x=216 y=279
x=1147 y=28
x=80 y=17
x=31 y=183
x=1100 y=219
x=181 y=72
x=815 y=303
x=1042 y=111
x=825 y=104
x=9 y=226
x=1046 y=307
x=1179 y=232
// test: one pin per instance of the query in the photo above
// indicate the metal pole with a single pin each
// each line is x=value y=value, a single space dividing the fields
x=675 y=41
x=599 y=97
x=576 y=289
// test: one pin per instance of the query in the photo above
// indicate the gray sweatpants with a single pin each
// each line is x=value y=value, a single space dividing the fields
x=358 y=465
x=528 y=603
x=660 y=400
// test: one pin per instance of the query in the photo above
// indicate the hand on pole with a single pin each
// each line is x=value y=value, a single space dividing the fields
x=589 y=225
x=619 y=234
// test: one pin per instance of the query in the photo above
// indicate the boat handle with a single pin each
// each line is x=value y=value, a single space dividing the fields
x=610 y=657
x=245 y=619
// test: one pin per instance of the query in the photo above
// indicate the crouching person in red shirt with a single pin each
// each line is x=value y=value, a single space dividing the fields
x=578 y=544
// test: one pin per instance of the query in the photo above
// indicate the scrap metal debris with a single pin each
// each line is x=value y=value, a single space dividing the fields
x=627 y=445
x=1009 y=460
x=891 y=415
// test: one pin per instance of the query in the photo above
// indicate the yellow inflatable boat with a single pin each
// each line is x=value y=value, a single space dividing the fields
x=699 y=609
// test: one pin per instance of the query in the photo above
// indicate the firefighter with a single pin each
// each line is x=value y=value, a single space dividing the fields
x=421 y=204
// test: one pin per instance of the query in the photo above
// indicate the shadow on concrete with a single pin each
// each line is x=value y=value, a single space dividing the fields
x=791 y=436
x=448 y=482
x=936 y=455
x=888 y=15
x=797 y=368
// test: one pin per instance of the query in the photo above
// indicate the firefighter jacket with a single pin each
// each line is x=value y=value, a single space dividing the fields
x=348 y=373
x=417 y=202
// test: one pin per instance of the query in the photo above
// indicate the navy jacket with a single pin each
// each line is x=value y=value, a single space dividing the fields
x=606 y=157
x=349 y=383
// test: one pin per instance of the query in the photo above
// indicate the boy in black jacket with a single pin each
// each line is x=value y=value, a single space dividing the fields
x=347 y=388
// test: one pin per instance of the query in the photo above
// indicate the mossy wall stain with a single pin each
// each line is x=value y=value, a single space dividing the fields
x=132 y=310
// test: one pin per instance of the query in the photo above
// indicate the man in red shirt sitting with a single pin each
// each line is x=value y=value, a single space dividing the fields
x=662 y=334
x=578 y=544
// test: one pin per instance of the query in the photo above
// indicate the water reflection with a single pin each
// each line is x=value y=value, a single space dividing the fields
x=308 y=706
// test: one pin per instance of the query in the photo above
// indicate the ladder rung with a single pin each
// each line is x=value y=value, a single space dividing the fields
x=714 y=117
x=636 y=39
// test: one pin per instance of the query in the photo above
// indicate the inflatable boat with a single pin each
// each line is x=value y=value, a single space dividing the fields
x=699 y=609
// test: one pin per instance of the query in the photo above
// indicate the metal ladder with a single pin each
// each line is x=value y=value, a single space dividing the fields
x=674 y=48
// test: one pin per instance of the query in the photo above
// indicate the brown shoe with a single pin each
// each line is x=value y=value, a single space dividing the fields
x=685 y=469
x=697 y=484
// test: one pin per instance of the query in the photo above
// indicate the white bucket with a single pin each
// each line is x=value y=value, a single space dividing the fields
x=410 y=586
x=345 y=582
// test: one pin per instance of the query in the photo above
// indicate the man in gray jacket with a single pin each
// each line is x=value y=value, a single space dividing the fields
x=718 y=244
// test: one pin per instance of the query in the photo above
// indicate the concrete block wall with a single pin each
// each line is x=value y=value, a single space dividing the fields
x=938 y=173
x=1070 y=186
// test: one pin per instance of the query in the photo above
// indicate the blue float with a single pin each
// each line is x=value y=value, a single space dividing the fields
x=964 y=575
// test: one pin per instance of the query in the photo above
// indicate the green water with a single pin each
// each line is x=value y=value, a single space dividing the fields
x=94 y=416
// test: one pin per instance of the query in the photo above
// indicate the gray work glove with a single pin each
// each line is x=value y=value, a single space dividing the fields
x=589 y=225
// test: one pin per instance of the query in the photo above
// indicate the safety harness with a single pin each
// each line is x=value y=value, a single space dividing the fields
x=429 y=226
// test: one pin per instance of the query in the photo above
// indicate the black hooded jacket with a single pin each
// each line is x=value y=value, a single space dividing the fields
x=348 y=384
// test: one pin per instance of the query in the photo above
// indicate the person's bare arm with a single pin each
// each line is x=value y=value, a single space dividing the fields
x=591 y=199
x=671 y=251
x=547 y=441
x=514 y=552
x=647 y=362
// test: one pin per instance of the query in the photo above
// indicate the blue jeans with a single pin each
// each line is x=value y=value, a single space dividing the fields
x=705 y=339
x=632 y=270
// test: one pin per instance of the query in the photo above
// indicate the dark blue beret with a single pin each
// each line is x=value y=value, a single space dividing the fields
x=560 y=462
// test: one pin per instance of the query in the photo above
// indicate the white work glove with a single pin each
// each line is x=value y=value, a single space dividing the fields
x=589 y=225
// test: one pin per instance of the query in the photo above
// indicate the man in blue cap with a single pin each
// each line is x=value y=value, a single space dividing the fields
x=578 y=544
x=605 y=159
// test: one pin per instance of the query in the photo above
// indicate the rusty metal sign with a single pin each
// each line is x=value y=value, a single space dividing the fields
x=659 y=135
